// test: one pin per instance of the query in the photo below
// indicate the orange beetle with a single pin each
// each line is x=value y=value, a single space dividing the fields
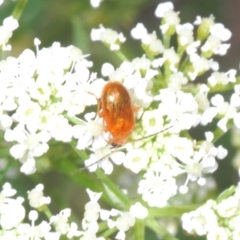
x=117 y=111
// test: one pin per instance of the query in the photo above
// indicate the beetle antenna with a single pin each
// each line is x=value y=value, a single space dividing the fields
x=151 y=135
x=90 y=165
x=134 y=140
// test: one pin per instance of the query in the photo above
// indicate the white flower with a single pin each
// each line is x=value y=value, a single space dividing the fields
x=90 y=133
x=176 y=80
x=91 y=213
x=154 y=44
x=142 y=64
x=201 y=65
x=43 y=230
x=200 y=221
x=236 y=120
x=28 y=112
x=11 y=213
x=139 y=31
x=107 y=69
x=156 y=190
x=201 y=97
x=73 y=231
x=182 y=148
x=208 y=115
x=207 y=21
x=60 y=221
x=136 y=160
x=166 y=165
x=94 y=196
x=109 y=37
x=76 y=92
x=222 y=78
x=185 y=34
x=213 y=44
x=222 y=152
x=234 y=101
x=29 y=145
x=138 y=211
x=95 y=3
x=5 y=35
x=33 y=215
x=171 y=19
x=91 y=216
x=33 y=144
x=36 y=197
x=29 y=166
x=234 y=223
x=152 y=121
x=52 y=235
x=100 y=159
x=7 y=190
x=226 y=110
x=125 y=221
x=180 y=108
x=163 y=8
x=219 y=233
x=9 y=25
x=170 y=56
x=60 y=129
x=38 y=89
x=228 y=207
x=5 y=120
x=218 y=30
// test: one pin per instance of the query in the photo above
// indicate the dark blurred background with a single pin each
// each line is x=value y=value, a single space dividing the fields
x=70 y=22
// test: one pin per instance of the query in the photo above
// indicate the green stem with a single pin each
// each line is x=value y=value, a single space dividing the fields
x=81 y=153
x=218 y=133
x=157 y=228
x=166 y=41
x=121 y=56
x=47 y=212
x=139 y=229
x=224 y=88
x=184 y=64
x=226 y=193
x=102 y=226
x=171 y=211
x=114 y=191
x=18 y=10
x=75 y=120
x=108 y=232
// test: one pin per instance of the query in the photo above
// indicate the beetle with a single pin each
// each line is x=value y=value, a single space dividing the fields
x=117 y=111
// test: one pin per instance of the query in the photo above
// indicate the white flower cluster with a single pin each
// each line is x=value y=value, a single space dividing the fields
x=36 y=91
x=216 y=219
x=120 y=220
x=162 y=87
x=108 y=36
x=41 y=94
x=12 y=214
x=9 y=25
